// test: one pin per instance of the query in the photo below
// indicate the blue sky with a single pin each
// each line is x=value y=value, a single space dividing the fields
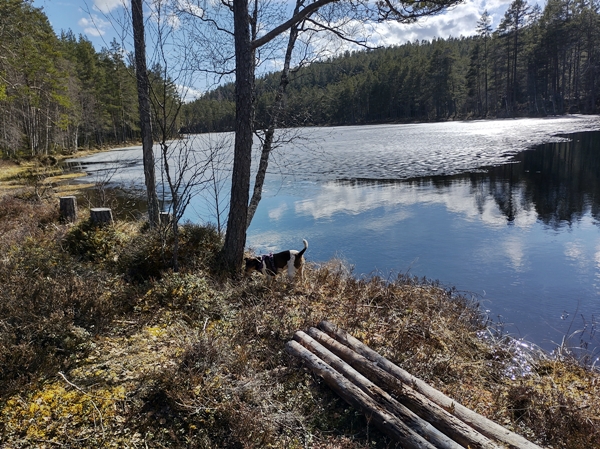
x=93 y=19
x=88 y=17
x=101 y=21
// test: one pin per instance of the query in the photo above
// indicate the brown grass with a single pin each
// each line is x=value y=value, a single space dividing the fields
x=94 y=356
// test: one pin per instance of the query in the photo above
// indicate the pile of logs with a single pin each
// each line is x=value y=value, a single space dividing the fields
x=405 y=408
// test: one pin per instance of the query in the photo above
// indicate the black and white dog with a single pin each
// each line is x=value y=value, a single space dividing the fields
x=271 y=264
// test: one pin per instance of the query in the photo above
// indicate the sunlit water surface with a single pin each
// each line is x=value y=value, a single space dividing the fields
x=459 y=202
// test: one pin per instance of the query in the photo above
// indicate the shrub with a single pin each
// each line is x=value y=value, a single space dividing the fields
x=49 y=306
x=150 y=253
x=191 y=294
x=93 y=243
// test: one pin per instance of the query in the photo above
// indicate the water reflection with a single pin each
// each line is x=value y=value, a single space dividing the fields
x=557 y=183
x=522 y=237
x=560 y=181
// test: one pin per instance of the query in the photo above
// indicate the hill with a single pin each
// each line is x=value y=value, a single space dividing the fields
x=535 y=63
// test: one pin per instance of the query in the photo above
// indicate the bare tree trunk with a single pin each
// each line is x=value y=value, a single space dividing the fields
x=143 y=86
x=276 y=111
x=235 y=238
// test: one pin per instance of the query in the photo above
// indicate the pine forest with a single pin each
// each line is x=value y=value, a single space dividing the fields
x=58 y=94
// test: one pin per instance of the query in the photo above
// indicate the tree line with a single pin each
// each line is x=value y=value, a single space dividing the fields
x=57 y=93
x=537 y=62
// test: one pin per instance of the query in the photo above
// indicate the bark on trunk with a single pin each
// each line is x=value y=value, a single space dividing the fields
x=143 y=87
x=235 y=238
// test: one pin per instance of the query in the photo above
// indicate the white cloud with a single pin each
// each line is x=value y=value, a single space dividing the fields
x=456 y=22
x=190 y=7
x=188 y=93
x=107 y=6
x=93 y=25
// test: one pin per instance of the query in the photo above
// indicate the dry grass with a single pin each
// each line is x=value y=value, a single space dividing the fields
x=102 y=347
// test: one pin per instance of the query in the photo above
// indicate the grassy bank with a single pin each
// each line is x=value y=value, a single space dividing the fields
x=102 y=346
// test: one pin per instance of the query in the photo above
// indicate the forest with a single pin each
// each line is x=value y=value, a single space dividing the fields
x=58 y=94
x=537 y=62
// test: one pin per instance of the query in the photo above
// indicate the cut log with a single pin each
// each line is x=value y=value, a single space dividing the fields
x=483 y=425
x=101 y=216
x=414 y=422
x=384 y=420
x=68 y=208
x=165 y=218
x=414 y=401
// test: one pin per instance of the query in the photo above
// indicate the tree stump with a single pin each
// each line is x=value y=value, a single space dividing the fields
x=165 y=218
x=101 y=216
x=68 y=208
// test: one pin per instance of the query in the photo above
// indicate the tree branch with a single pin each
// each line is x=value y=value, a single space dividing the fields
x=296 y=18
x=338 y=33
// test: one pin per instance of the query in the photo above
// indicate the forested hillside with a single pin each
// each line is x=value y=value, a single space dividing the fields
x=535 y=63
x=57 y=93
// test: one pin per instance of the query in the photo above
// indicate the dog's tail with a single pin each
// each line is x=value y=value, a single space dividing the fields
x=305 y=247
x=298 y=258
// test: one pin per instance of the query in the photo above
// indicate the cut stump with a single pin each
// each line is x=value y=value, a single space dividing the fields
x=68 y=208
x=101 y=216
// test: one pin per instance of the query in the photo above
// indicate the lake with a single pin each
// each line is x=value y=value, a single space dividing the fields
x=506 y=211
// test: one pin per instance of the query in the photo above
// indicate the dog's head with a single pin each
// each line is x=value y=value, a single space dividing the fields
x=253 y=264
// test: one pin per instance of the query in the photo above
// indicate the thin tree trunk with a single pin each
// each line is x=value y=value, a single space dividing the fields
x=143 y=86
x=235 y=238
x=278 y=107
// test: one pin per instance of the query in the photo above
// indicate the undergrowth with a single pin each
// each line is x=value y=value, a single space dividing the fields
x=102 y=345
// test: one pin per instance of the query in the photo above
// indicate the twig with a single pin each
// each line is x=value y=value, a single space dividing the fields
x=88 y=395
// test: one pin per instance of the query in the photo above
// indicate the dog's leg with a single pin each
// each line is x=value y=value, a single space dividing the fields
x=290 y=267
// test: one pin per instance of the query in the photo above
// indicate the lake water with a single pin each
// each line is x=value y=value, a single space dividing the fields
x=506 y=211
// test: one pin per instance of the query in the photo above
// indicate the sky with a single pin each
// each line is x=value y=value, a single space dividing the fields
x=90 y=17
x=96 y=20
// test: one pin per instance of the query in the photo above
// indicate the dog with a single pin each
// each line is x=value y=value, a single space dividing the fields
x=271 y=264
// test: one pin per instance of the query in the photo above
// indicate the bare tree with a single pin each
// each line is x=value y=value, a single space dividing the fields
x=245 y=48
x=185 y=163
x=218 y=149
x=276 y=111
x=137 y=17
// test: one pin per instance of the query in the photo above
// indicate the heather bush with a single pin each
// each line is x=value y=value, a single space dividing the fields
x=100 y=244
x=150 y=253
x=49 y=304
